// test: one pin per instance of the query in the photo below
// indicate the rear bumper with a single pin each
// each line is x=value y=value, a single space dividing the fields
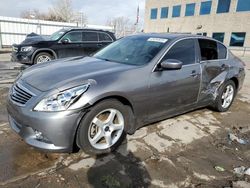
x=47 y=131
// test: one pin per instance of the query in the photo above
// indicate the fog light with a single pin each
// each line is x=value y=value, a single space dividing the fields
x=39 y=136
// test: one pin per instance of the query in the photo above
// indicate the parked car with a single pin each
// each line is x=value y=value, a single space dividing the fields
x=92 y=102
x=64 y=43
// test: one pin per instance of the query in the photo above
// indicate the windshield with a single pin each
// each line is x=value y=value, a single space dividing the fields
x=57 y=35
x=134 y=50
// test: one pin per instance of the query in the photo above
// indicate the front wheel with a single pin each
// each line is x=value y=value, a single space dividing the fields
x=225 y=96
x=42 y=58
x=102 y=129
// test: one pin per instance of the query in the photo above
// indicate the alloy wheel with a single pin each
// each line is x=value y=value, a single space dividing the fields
x=227 y=96
x=106 y=129
x=43 y=58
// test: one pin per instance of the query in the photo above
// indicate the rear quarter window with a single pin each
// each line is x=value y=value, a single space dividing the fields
x=222 y=51
x=104 y=37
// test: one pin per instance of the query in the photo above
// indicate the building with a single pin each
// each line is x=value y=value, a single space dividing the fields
x=224 y=20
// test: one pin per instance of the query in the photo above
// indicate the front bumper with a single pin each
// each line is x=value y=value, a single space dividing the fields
x=53 y=131
x=21 y=57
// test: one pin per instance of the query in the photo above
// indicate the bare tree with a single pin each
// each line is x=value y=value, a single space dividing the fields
x=122 y=26
x=63 y=10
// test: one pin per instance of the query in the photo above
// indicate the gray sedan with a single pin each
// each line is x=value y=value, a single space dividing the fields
x=92 y=102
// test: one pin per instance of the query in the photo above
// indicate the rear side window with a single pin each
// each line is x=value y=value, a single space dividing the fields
x=183 y=51
x=211 y=50
x=103 y=37
x=90 y=37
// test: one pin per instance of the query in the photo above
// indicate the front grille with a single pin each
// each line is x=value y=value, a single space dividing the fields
x=20 y=95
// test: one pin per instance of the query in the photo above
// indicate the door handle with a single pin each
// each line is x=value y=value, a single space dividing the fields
x=194 y=74
x=223 y=67
x=99 y=45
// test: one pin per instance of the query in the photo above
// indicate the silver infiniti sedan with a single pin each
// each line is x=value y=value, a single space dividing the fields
x=93 y=102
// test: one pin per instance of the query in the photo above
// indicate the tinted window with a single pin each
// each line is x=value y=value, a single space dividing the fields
x=164 y=12
x=208 y=49
x=190 y=9
x=222 y=51
x=90 y=36
x=74 y=36
x=183 y=51
x=104 y=37
x=237 y=39
x=176 y=11
x=219 y=36
x=205 y=7
x=223 y=6
x=243 y=5
x=153 y=14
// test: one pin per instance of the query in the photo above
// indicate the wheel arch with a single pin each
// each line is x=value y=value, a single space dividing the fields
x=47 y=50
x=236 y=82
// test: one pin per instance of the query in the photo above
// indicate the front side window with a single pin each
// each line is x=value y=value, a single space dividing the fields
x=237 y=39
x=208 y=49
x=73 y=37
x=133 y=50
x=219 y=36
x=176 y=11
x=103 y=37
x=183 y=51
x=205 y=7
x=90 y=36
x=164 y=12
x=153 y=14
x=243 y=5
x=223 y=6
x=190 y=9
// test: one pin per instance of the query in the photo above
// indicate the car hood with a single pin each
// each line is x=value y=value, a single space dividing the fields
x=69 y=72
x=34 y=40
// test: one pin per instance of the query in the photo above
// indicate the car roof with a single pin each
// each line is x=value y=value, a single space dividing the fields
x=86 y=29
x=173 y=35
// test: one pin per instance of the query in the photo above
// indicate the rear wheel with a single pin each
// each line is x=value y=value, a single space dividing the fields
x=225 y=96
x=102 y=129
x=43 y=57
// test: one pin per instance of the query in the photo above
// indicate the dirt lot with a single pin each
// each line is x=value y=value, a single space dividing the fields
x=178 y=152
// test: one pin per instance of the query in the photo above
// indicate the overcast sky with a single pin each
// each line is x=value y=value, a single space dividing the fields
x=97 y=11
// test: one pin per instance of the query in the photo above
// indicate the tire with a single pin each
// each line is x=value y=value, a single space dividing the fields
x=219 y=104
x=43 y=57
x=88 y=131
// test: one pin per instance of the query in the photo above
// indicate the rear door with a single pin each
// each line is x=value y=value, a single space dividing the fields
x=172 y=91
x=72 y=48
x=213 y=57
x=90 y=42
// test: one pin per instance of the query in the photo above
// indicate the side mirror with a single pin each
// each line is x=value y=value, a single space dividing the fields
x=65 y=41
x=171 y=64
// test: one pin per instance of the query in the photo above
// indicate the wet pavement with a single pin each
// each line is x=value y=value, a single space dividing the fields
x=178 y=152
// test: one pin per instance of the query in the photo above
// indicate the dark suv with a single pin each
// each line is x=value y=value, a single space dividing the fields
x=61 y=44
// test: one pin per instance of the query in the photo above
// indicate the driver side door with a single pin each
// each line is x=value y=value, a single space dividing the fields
x=71 y=48
x=173 y=91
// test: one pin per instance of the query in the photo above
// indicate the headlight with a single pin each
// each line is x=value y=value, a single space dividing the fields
x=26 y=49
x=62 y=100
